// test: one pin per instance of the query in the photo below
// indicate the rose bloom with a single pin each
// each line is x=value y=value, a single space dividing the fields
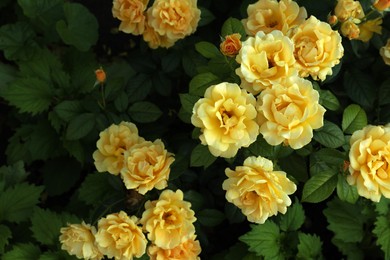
x=264 y=60
x=79 y=240
x=368 y=28
x=289 y=111
x=350 y=30
x=174 y=18
x=119 y=236
x=156 y=40
x=147 y=166
x=188 y=250
x=381 y=5
x=317 y=48
x=113 y=142
x=346 y=9
x=131 y=14
x=168 y=220
x=385 y=52
x=270 y=15
x=231 y=45
x=227 y=118
x=257 y=190
x=370 y=162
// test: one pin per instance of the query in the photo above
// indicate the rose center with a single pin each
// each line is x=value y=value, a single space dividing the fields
x=227 y=119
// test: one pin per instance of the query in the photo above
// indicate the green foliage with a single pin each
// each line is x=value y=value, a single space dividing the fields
x=201 y=82
x=382 y=231
x=360 y=88
x=346 y=192
x=201 y=156
x=309 y=247
x=354 y=118
x=22 y=251
x=293 y=219
x=80 y=126
x=208 y=50
x=329 y=135
x=210 y=217
x=144 y=112
x=319 y=187
x=5 y=236
x=233 y=25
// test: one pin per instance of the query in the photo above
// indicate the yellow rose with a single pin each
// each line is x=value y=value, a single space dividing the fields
x=350 y=30
x=131 y=14
x=385 y=52
x=370 y=162
x=168 y=220
x=368 y=28
x=289 y=111
x=113 y=142
x=119 y=237
x=227 y=118
x=270 y=15
x=257 y=190
x=174 y=19
x=381 y=5
x=264 y=60
x=147 y=166
x=317 y=48
x=346 y=9
x=231 y=45
x=188 y=250
x=79 y=240
x=156 y=40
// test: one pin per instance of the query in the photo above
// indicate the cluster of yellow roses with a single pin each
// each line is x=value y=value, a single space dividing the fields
x=354 y=23
x=168 y=221
x=162 y=24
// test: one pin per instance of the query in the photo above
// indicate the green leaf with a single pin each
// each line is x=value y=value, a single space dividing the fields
x=197 y=200
x=329 y=100
x=43 y=141
x=13 y=174
x=350 y=250
x=170 y=61
x=261 y=147
x=309 y=247
x=22 y=252
x=68 y=109
x=7 y=74
x=206 y=16
x=80 y=126
x=94 y=189
x=16 y=203
x=58 y=255
x=37 y=8
x=207 y=49
x=295 y=166
x=201 y=156
x=332 y=157
x=382 y=207
x=144 y=112
x=233 y=25
x=188 y=101
x=16 y=40
x=264 y=240
x=345 y=220
x=139 y=87
x=201 y=82
x=384 y=93
x=360 y=87
x=346 y=192
x=354 y=118
x=293 y=219
x=210 y=217
x=319 y=187
x=121 y=102
x=5 y=235
x=80 y=28
x=30 y=95
x=329 y=135
x=382 y=232
x=233 y=214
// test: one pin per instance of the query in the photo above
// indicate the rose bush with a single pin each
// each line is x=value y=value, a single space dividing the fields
x=194 y=129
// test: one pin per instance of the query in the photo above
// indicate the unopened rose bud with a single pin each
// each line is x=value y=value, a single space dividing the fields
x=332 y=20
x=100 y=75
x=350 y=30
x=231 y=45
x=381 y=5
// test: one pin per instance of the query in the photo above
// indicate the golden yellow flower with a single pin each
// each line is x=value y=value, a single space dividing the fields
x=188 y=250
x=317 y=48
x=131 y=15
x=370 y=162
x=231 y=45
x=264 y=60
x=79 y=240
x=385 y=52
x=368 y=28
x=289 y=111
x=113 y=142
x=156 y=40
x=227 y=118
x=174 y=19
x=168 y=220
x=346 y=9
x=270 y=15
x=119 y=237
x=350 y=30
x=257 y=190
x=147 y=166
x=381 y=5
